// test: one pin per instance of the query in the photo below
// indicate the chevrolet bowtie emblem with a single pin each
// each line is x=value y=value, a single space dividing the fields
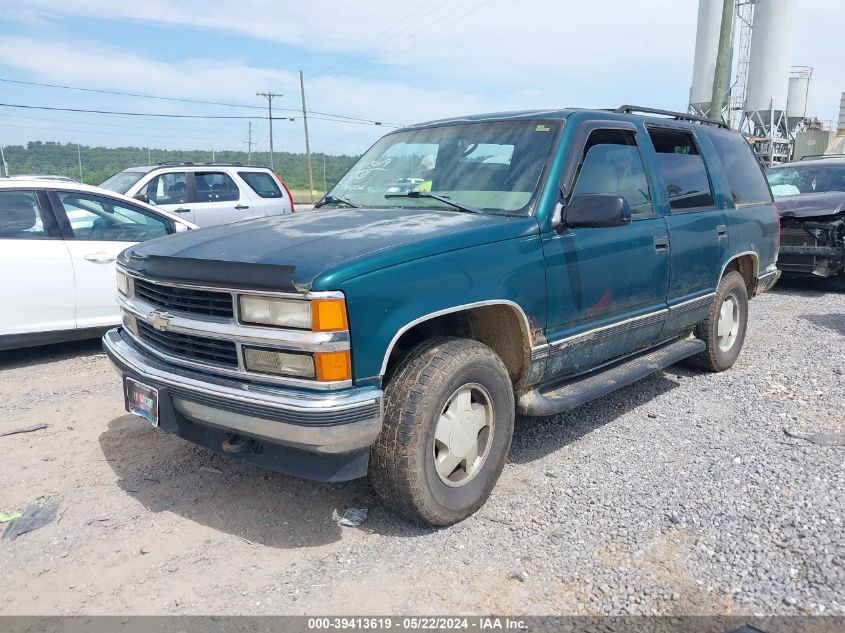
x=159 y=320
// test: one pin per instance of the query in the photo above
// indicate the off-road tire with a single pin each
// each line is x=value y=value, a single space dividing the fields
x=714 y=358
x=402 y=468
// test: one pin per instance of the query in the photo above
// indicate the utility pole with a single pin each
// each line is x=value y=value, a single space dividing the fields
x=722 y=60
x=5 y=165
x=249 y=144
x=307 y=144
x=149 y=157
x=79 y=160
x=325 y=182
x=269 y=96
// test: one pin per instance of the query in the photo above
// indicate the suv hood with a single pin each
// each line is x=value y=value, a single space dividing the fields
x=811 y=205
x=288 y=252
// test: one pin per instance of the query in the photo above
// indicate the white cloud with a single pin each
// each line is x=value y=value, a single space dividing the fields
x=401 y=63
x=504 y=44
x=91 y=65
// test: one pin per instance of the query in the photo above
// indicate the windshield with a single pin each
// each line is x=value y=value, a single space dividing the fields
x=121 y=182
x=490 y=166
x=791 y=180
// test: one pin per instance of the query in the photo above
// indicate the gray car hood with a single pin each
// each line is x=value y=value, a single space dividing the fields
x=811 y=205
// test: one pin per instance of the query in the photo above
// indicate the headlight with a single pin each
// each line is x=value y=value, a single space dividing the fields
x=123 y=283
x=278 y=312
x=319 y=315
x=266 y=361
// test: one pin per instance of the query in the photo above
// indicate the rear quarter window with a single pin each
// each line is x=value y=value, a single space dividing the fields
x=745 y=177
x=682 y=169
x=261 y=183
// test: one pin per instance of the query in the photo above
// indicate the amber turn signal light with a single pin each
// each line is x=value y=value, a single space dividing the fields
x=328 y=315
x=332 y=366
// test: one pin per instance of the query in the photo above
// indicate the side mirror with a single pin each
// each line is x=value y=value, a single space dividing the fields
x=142 y=197
x=597 y=210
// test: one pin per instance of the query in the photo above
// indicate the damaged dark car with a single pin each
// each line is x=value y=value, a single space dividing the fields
x=810 y=195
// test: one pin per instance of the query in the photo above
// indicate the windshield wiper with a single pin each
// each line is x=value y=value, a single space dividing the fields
x=425 y=194
x=336 y=200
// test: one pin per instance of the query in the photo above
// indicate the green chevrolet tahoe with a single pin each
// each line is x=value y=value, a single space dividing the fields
x=462 y=271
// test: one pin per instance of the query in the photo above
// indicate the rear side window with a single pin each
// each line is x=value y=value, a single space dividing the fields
x=748 y=185
x=261 y=183
x=20 y=217
x=682 y=169
x=215 y=186
x=170 y=188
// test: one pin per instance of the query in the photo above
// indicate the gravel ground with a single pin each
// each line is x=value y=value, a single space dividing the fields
x=678 y=495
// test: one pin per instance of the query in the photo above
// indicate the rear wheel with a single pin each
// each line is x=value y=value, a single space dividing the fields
x=723 y=329
x=448 y=423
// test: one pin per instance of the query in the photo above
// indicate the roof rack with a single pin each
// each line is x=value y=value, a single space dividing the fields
x=179 y=163
x=821 y=156
x=678 y=116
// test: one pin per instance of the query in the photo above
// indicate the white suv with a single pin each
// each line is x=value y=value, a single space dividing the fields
x=206 y=193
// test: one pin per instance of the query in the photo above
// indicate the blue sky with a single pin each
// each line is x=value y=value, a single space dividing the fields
x=375 y=60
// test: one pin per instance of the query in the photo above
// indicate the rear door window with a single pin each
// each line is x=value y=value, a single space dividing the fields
x=261 y=183
x=20 y=216
x=748 y=184
x=215 y=186
x=171 y=188
x=682 y=170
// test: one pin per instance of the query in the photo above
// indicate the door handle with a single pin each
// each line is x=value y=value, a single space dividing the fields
x=721 y=231
x=240 y=207
x=182 y=210
x=661 y=243
x=99 y=258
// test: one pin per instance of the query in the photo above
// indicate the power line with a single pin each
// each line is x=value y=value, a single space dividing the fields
x=399 y=38
x=367 y=46
x=167 y=116
x=188 y=137
x=182 y=116
x=433 y=29
x=184 y=100
x=377 y=123
x=124 y=125
x=129 y=94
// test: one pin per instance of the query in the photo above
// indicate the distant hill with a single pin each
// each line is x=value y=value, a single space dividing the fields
x=98 y=163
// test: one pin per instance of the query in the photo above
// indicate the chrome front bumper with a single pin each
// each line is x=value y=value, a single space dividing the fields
x=324 y=423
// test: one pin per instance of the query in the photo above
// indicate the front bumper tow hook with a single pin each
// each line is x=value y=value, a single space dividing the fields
x=240 y=444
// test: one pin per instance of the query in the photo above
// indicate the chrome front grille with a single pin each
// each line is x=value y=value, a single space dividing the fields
x=187 y=300
x=197 y=326
x=198 y=349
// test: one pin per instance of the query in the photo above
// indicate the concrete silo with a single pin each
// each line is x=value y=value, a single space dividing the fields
x=704 y=62
x=796 y=96
x=768 y=69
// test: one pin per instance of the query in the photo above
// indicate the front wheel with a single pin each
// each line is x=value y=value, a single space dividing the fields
x=723 y=329
x=448 y=423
